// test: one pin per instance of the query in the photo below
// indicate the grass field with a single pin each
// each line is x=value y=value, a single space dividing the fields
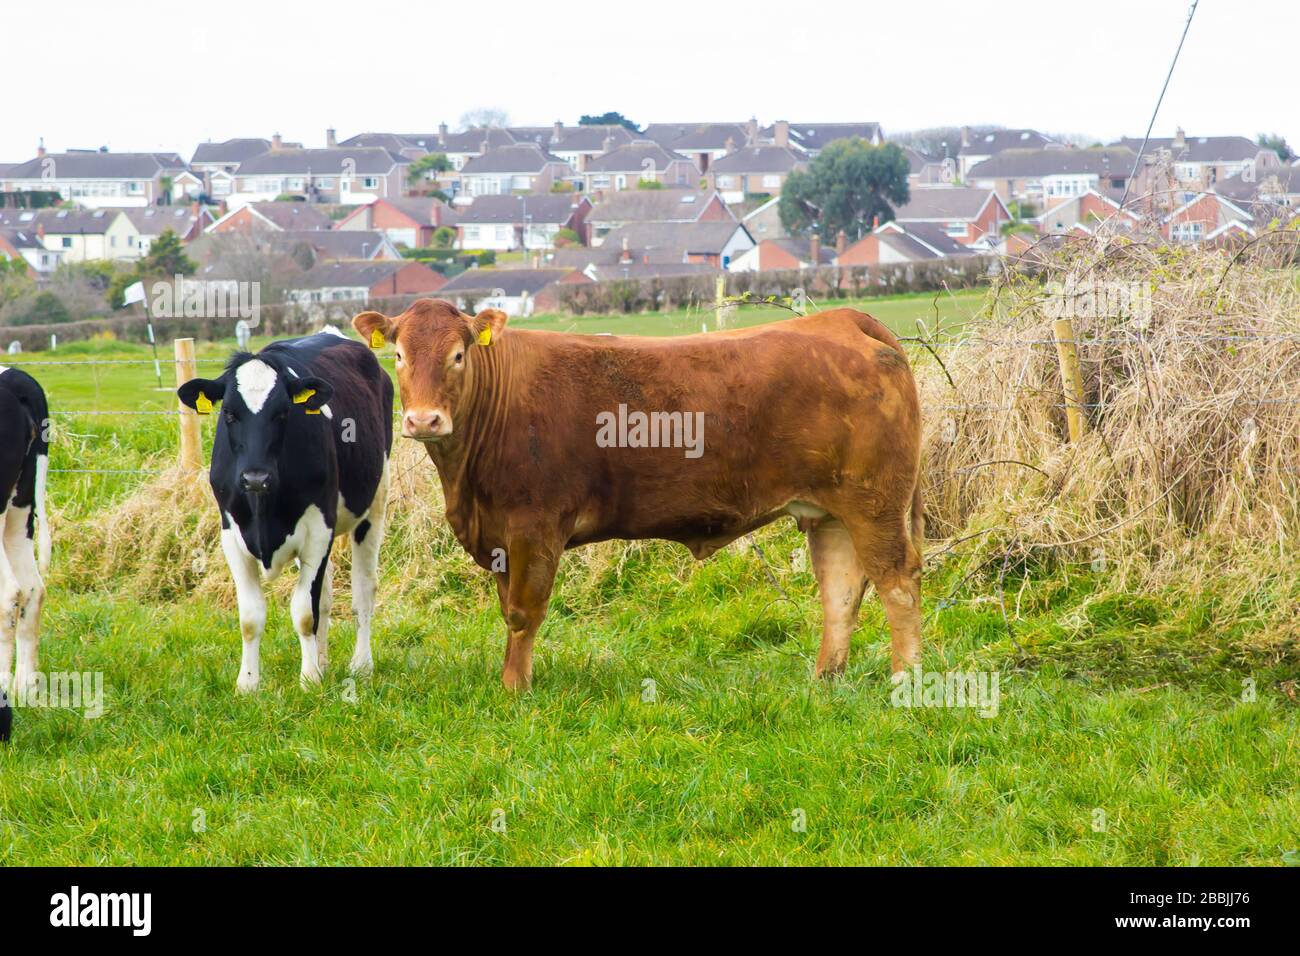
x=673 y=718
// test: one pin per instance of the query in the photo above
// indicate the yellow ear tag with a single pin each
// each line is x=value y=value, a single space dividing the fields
x=203 y=405
x=376 y=339
x=485 y=337
x=301 y=399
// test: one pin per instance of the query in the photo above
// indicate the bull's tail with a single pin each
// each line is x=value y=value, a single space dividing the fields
x=918 y=520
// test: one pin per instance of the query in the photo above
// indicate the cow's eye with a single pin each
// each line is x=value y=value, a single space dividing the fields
x=458 y=357
x=230 y=419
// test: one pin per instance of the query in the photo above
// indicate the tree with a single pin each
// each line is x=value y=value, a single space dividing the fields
x=429 y=163
x=608 y=119
x=848 y=186
x=166 y=258
x=1278 y=145
x=484 y=116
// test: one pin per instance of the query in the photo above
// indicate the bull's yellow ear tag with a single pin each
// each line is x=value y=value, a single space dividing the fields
x=376 y=339
x=203 y=404
x=485 y=337
x=301 y=399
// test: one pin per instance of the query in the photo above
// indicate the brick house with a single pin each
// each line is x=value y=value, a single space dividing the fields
x=272 y=217
x=521 y=167
x=1206 y=218
x=341 y=281
x=964 y=213
x=896 y=242
x=516 y=292
x=410 y=221
x=701 y=143
x=1084 y=213
x=715 y=243
x=1198 y=163
x=216 y=163
x=616 y=209
x=505 y=223
x=975 y=147
x=1048 y=177
x=794 y=252
x=625 y=167
x=753 y=170
x=351 y=176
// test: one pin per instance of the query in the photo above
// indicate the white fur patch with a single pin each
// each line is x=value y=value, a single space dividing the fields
x=331 y=330
x=254 y=380
x=292 y=372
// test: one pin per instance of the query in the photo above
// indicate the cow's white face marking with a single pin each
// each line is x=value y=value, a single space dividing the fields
x=254 y=380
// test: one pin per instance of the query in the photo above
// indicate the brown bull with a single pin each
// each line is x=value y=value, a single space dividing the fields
x=545 y=441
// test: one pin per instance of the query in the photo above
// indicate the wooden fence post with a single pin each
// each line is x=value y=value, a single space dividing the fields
x=719 y=294
x=1067 y=353
x=191 y=447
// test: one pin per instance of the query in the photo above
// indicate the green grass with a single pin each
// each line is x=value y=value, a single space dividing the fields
x=1127 y=704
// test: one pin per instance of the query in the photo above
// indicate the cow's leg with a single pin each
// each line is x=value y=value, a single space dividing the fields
x=304 y=608
x=323 y=618
x=25 y=594
x=887 y=553
x=531 y=573
x=252 y=609
x=366 y=540
x=8 y=620
x=841 y=581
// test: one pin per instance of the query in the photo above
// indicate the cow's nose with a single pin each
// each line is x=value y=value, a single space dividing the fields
x=255 y=482
x=424 y=425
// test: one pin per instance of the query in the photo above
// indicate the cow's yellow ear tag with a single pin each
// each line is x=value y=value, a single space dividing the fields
x=376 y=339
x=301 y=399
x=203 y=404
x=485 y=337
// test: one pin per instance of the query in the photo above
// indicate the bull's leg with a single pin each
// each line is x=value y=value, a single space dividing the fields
x=531 y=573
x=887 y=553
x=26 y=597
x=304 y=608
x=366 y=539
x=252 y=609
x=841 y=581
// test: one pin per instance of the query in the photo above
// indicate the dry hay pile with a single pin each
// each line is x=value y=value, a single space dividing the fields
x=1188 y=474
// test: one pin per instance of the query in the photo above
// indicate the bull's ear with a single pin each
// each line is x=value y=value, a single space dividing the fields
x=488 y=325
x=310 y=392
x=375 y=327
x=201 y=394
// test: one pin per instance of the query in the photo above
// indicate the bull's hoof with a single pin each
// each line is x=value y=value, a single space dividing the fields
x=245 y=685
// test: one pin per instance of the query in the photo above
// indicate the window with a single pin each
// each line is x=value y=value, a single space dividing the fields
x=471 y=234
x=771 y=181
x=955 y=229
x=67 y=242
x=1188 y=231
x=325 y=183
x=726 y=182
x=369 y=182
x=620 y=181
x=599 y=182
x=221 y=187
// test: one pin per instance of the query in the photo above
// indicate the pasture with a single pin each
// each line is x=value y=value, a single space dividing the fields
x=673 y=719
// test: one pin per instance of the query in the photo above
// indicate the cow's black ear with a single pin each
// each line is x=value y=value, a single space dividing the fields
x=202 y=391
x=310 y=392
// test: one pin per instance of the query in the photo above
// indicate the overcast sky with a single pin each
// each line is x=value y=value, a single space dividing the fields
x=143 y=75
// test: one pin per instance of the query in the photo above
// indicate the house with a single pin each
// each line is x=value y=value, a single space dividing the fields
x=896 y=242
x=216 y=163
x=752 y=170
x=515 y=292
x=926 y=170
x=505 y=223
x=641 y=161
x=795 y=252
x=79 y=235
x=964 y=213
x=701 y=143
x=715 y=243
x=1083 y=214
x=1200 y=162
x=410 y=221
x=615 y=209
x=97 y=178
x=188 y=222
x=351 y=176
x=1044 y=178
x=1207 y=218
x=272 y=217
x=579 y=145
x=26 y=244
x=811 y=138
x=977 y=147
x=352 y=281
x=336 y=243
x=521 y=167
x=763 y=220
x=410 y=145
x=1264 y=193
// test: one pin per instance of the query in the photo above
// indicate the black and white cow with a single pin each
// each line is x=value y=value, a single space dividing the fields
x=25 y=556
x=300 y=456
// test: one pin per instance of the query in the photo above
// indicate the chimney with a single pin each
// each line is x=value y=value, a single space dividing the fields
x=731 y=145
x=483 y=146
x=557 y=131
x=40 y=149
x=442 y=134
x=1180 y=139
x=751 y=131
x=607 y=143
x=781 y=133
x=330 y=139
x=625 y=256
x=276 y=141
x=965 y=136
x=841 y=243
x=815 y=250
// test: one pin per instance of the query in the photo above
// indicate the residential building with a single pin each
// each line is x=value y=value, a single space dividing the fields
x=359 y=282
x=516 y=292
x=188 y=222
x=976 y=147
x=753 y=170
x=16 y=243
x=579 y=145
x=410 y=221
x=638 y=162
x=794 y=252
x=1200 y=162
x=272 y=217
x=715 y=243
x=505 y=223
x=1085 y=214
x=1207 y=218
x=522 y=167
x=810 y=139
x=614 y=209
x=701 y=143
x=896 y=242
x=98 y=179
x=216 y=163
x=351 y=176
x=336 y=244
x=79 y=235
x=1043 y=178
x=964 y=213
